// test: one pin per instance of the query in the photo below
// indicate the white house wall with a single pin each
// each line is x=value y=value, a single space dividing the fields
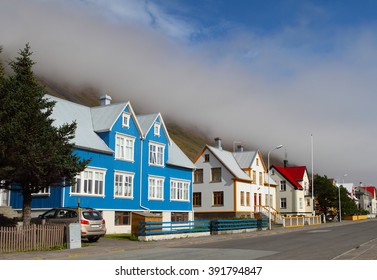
x=207 y=187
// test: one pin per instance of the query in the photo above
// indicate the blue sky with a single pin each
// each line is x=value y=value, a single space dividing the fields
x=263 y=73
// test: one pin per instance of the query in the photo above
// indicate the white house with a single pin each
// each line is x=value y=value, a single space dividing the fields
x=229 y=184
x=292 y=194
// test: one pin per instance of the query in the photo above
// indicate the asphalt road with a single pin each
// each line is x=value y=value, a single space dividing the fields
x=313 y=243
x=343 y=241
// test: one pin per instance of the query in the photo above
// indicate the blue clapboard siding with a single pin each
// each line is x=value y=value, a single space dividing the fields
x=105 y=160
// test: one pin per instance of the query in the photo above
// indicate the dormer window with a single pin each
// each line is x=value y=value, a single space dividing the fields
x=126 y=120
x=157 y=129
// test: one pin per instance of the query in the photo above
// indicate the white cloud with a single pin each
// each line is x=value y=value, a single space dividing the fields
x=285 y=92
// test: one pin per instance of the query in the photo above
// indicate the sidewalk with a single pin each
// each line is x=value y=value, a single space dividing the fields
x=367 y=251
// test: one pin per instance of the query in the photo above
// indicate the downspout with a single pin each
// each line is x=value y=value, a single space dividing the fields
x=141 y=175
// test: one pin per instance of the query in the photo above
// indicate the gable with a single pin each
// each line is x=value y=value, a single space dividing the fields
x=285 y=174
x=147 y=123
x=105 y=117
x=227 y=160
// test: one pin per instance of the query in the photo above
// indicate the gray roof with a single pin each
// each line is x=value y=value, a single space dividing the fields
x=85 y=137
x=245 y=159
x=178 y=158
x=229 y=162
x=146 y=122
x=103 y=117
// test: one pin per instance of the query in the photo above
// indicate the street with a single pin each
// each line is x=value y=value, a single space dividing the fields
x=312 y=243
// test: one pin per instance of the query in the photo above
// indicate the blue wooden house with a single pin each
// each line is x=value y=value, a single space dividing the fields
x=135 y=166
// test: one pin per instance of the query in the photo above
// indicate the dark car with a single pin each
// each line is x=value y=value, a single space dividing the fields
x=93 y=225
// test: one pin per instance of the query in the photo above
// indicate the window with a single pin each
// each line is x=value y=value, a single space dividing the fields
x=124 y=147
x=123 y=184
x=157 y=129
x=126 y=119
x=308 y=202
x=206 y=158
x=242 y=199
x=197 y=199
x=179 y=216
x=218 y=198
x=156 y=154
x=257 y=161
x=248 y=199
x=301 y=204
x=283 y=203
x=198 y=176
x=43 y=192
x=90 y=182
x=254 y=177
x=216 y=174
x=155 y=188
x=261 y=178
x=283 y=186
x=179 y=190
x=122 y=218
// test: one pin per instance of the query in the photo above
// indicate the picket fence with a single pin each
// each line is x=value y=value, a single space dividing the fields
x=29 y=238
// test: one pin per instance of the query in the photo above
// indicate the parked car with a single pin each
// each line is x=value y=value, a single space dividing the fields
x=93 y=226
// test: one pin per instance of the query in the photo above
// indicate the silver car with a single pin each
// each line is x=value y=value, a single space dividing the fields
x=93 y=226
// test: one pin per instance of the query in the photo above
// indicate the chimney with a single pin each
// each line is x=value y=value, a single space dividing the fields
x=239 y=148
x=285 y=163
x=218 y=143
x=105 y=100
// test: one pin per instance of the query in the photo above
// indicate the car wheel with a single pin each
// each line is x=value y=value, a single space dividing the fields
x=93 y=239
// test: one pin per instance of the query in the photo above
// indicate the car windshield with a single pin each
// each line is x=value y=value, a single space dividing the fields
x=92 y=215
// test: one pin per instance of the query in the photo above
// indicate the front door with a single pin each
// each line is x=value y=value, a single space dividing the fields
x=4 y=198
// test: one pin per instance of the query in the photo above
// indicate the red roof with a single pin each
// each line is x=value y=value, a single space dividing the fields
x=292 y=174
x=371 y=189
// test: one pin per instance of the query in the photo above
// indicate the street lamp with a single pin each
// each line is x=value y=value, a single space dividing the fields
x=269 y=197
x=340 y=204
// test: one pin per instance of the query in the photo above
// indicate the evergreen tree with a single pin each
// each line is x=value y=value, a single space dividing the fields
x=348 y=205
x=34 y=154
x=325 y=193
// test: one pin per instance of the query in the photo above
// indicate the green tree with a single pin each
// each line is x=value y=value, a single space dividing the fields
x=325 y=193
x=34 y=154
x=348 y=205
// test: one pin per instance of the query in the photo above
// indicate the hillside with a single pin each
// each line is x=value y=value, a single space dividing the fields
x=187 y=136
x=190 y=140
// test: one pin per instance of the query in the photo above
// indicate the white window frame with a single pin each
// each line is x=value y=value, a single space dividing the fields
x=283 y=185
x=124 y=147
x=283 y=200
x=156 y=188
x=90 y=182
x=43 y=192
x=156 y=154
x=157 y=129
x=126 y=119
x=179 y=190
x=123 y=184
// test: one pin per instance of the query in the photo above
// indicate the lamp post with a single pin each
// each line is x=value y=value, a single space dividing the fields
x=340 y=203
x=269 y=197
